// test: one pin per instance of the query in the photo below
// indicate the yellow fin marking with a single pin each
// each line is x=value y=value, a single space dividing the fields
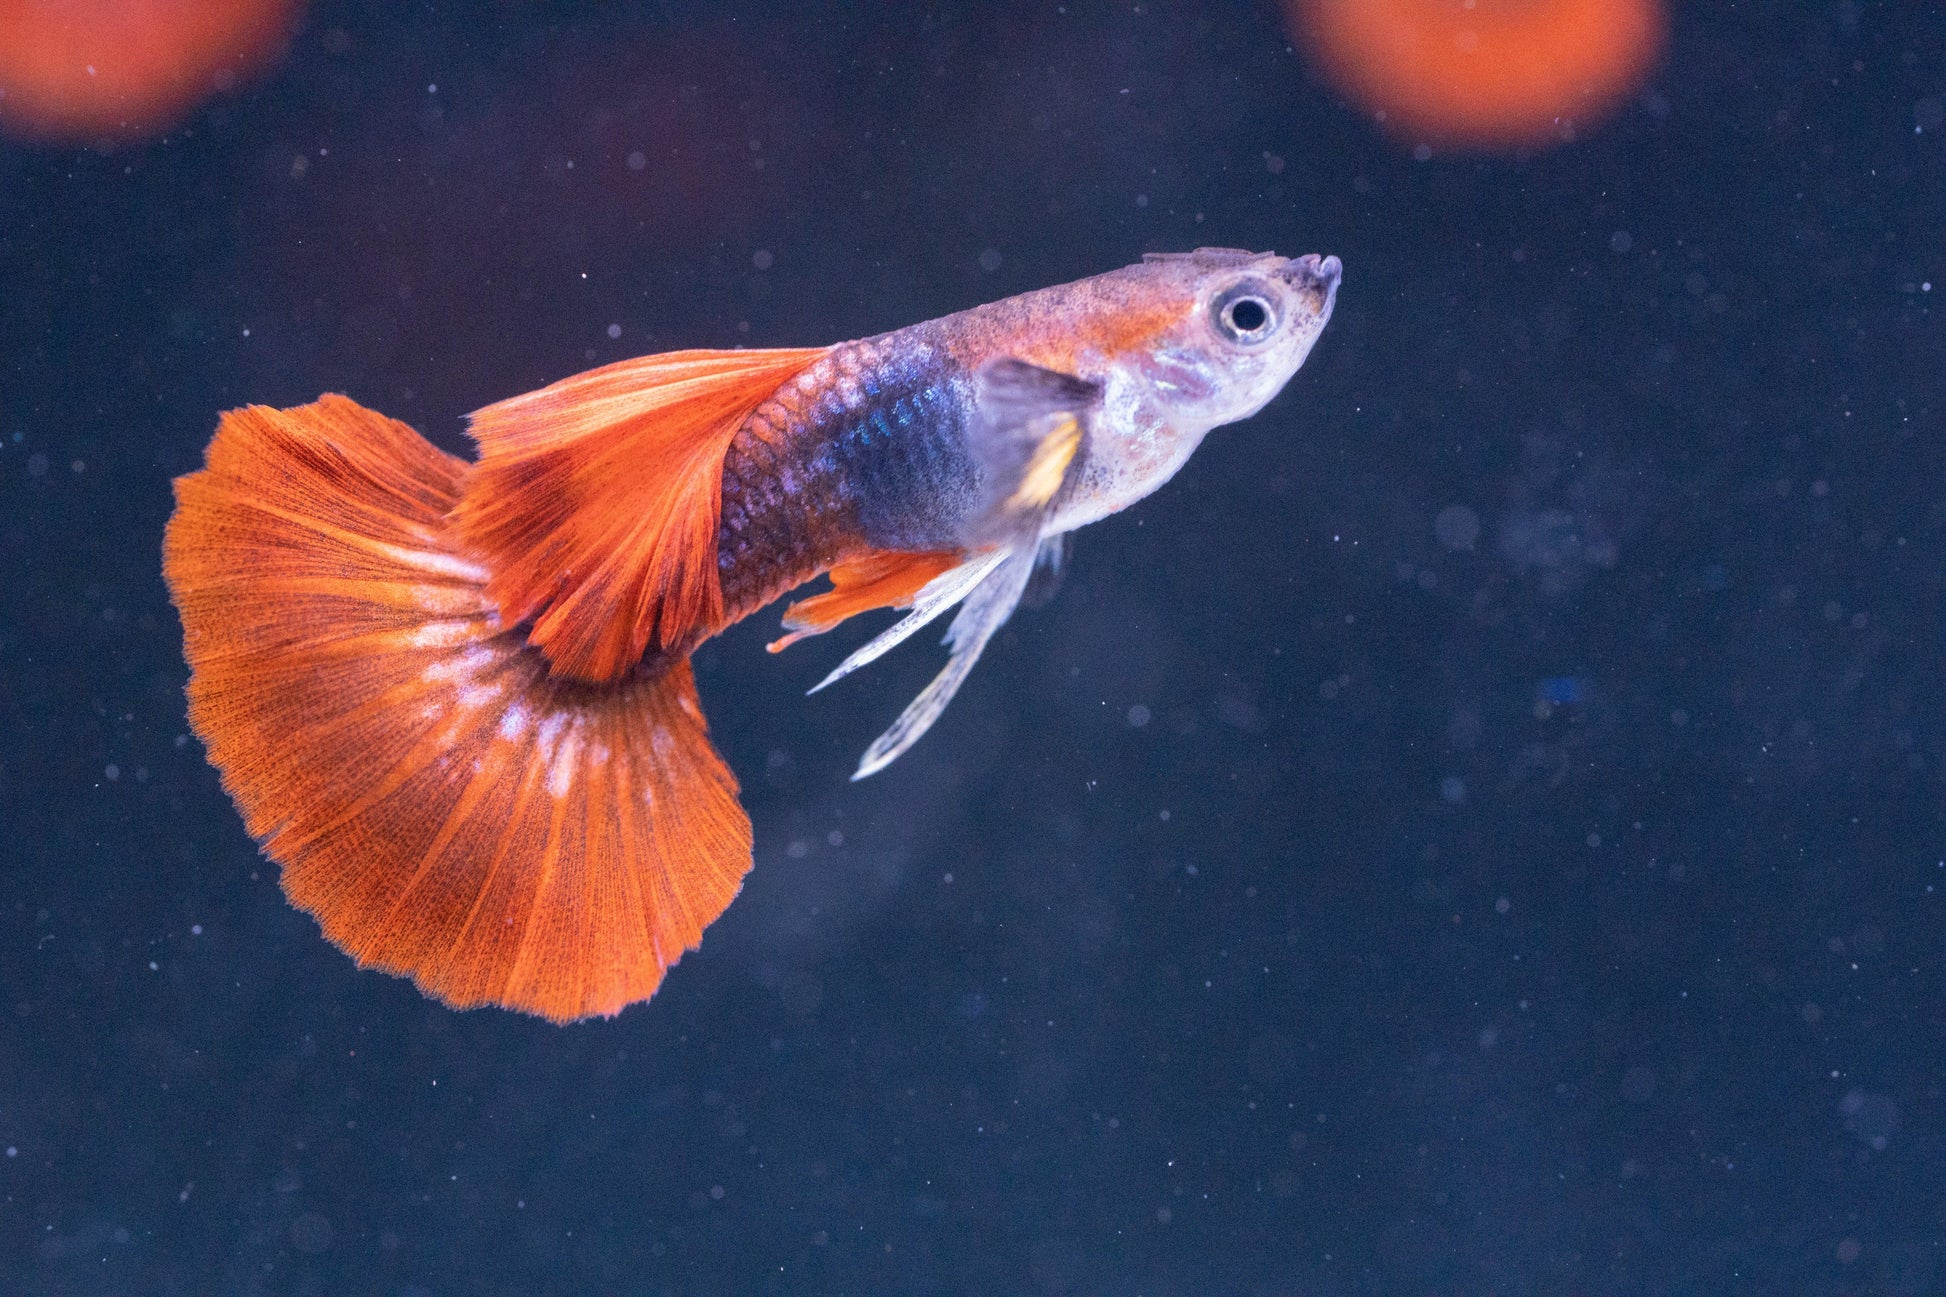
x=1049 y=465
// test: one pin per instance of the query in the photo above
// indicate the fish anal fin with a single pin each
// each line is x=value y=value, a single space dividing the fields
x=595 y=502
x=445 y=806
x=986 y=609
x=879 y=578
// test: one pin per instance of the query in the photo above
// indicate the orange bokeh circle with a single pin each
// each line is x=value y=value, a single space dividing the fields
x=89 y=69
x=1484 y=72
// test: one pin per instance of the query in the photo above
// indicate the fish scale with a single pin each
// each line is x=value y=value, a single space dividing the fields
x=866 y=446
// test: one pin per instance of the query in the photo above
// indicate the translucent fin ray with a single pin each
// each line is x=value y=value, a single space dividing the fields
x=986 y=610
x=939 y=594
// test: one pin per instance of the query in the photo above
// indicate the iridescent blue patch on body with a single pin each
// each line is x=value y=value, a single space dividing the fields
x=902 y=454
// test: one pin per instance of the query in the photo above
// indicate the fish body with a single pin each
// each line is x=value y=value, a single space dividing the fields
x=453 y=700
x=867 y=447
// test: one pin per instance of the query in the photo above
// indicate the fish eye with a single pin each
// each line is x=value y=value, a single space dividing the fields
x=1245 y=314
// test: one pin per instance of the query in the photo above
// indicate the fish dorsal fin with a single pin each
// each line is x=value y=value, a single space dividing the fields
x=876 y=578
x=595 y=502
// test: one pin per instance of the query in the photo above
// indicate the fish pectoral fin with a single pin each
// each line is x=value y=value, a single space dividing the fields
x=1029 y=432
x=1057 y=438
x=985 y=611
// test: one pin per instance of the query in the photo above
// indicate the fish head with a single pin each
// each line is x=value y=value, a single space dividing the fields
x=1180 y=344
x=1232 y=329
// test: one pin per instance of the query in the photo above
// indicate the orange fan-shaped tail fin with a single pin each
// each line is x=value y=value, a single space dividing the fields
x=445 y=807
x=595 y=502
x=878 y=578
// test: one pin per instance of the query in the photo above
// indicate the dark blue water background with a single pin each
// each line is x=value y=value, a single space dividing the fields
x=1477 y=831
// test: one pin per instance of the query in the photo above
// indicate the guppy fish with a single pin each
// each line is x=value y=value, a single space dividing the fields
x=454 y=700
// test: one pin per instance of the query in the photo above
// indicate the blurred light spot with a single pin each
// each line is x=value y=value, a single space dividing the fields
x=1483 y=73
x=92 y=69
x=1873 y=1118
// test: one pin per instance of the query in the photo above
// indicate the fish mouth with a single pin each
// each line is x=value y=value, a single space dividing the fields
x=1315 y=279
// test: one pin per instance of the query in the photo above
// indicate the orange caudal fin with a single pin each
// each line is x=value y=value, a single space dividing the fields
x=447 y=808
x=594 y=506
x=878 y=578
